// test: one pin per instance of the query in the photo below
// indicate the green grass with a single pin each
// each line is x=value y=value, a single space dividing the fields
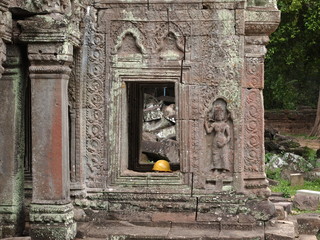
x=289 y=191
x=304 y=136
x=297 y=211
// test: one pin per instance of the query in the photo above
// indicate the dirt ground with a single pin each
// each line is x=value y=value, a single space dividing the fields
x=311 y=143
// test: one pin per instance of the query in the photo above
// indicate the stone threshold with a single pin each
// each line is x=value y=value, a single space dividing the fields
x=122 y=230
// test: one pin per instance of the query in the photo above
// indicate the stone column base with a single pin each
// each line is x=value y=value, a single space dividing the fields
x=52 y=222
x=10 y=224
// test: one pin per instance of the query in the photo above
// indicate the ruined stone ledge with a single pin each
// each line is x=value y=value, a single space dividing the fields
x=263 y=15
x=4 y=5
x=65 y=218
x=166 y=230
x=228 y=207
x=9 y=209
x=174 y=5
x=51 y=208
x=53 y=232
x=8 y=218
x=220 y=17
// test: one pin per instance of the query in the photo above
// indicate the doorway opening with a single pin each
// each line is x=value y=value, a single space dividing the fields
x=152 y=127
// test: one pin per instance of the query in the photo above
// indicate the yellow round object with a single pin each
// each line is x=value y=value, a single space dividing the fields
x=161 y=166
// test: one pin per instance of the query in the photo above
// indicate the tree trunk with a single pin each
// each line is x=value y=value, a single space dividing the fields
x=315 y=132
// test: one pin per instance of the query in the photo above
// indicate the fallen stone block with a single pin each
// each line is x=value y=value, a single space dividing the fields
x=306 y=200
x=308 y=223
x=313 y=174
x=283 y=230
x=296 y=179
x=152 y=113
x=17 y=238
x=166 y=149
x=309 y=192
x=280 y=213
x=307 y=237
x=287 y=206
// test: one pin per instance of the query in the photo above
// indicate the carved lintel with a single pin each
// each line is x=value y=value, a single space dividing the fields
x=261 y=21
x=48 y=54
x=54 y=27
x=258 y=28
x=45 y=6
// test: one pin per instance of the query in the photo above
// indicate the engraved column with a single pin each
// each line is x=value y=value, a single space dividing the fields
x=259 y=24
x=11 y=130
x=51 y=206
x=11 y=145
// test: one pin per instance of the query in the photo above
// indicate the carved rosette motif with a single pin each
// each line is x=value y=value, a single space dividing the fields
x=254 y=72
x=253 y=131
x=95 y=105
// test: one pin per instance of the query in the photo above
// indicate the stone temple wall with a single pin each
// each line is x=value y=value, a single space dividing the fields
x=298 y=121
x=97 y=91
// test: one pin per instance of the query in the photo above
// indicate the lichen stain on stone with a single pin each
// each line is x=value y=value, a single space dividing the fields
x=202 y=52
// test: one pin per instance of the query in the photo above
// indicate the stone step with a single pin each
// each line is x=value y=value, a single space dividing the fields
x=276 y=194
x=307 y=237
x=308 y=223
x=164 y=230
x=275 y=199
x=281 y=230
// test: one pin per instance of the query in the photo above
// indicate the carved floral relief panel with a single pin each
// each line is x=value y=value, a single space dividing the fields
x=95 y=113
x=197 y=50
x=253 y=130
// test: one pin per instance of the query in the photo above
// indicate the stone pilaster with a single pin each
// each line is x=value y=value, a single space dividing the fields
x=11 y=144
x=51 y=213
x=259 y=22
x=5 y=31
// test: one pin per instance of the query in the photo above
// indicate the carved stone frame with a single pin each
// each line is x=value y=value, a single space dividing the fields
x=118 y=128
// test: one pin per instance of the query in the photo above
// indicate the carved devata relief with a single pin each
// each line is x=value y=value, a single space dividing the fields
x=217 y=124
x=219 y=128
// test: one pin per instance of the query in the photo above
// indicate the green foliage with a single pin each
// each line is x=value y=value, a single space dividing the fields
x=274 y=174
x=310 y=155
x=267 y=157
x=283 y=187
x=292 y=62
x=304 y=136
x=288 y=191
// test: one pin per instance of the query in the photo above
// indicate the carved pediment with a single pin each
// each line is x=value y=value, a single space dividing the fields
x=170 y=49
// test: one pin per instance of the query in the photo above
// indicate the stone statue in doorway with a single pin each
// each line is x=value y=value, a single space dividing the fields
x=217 y=125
